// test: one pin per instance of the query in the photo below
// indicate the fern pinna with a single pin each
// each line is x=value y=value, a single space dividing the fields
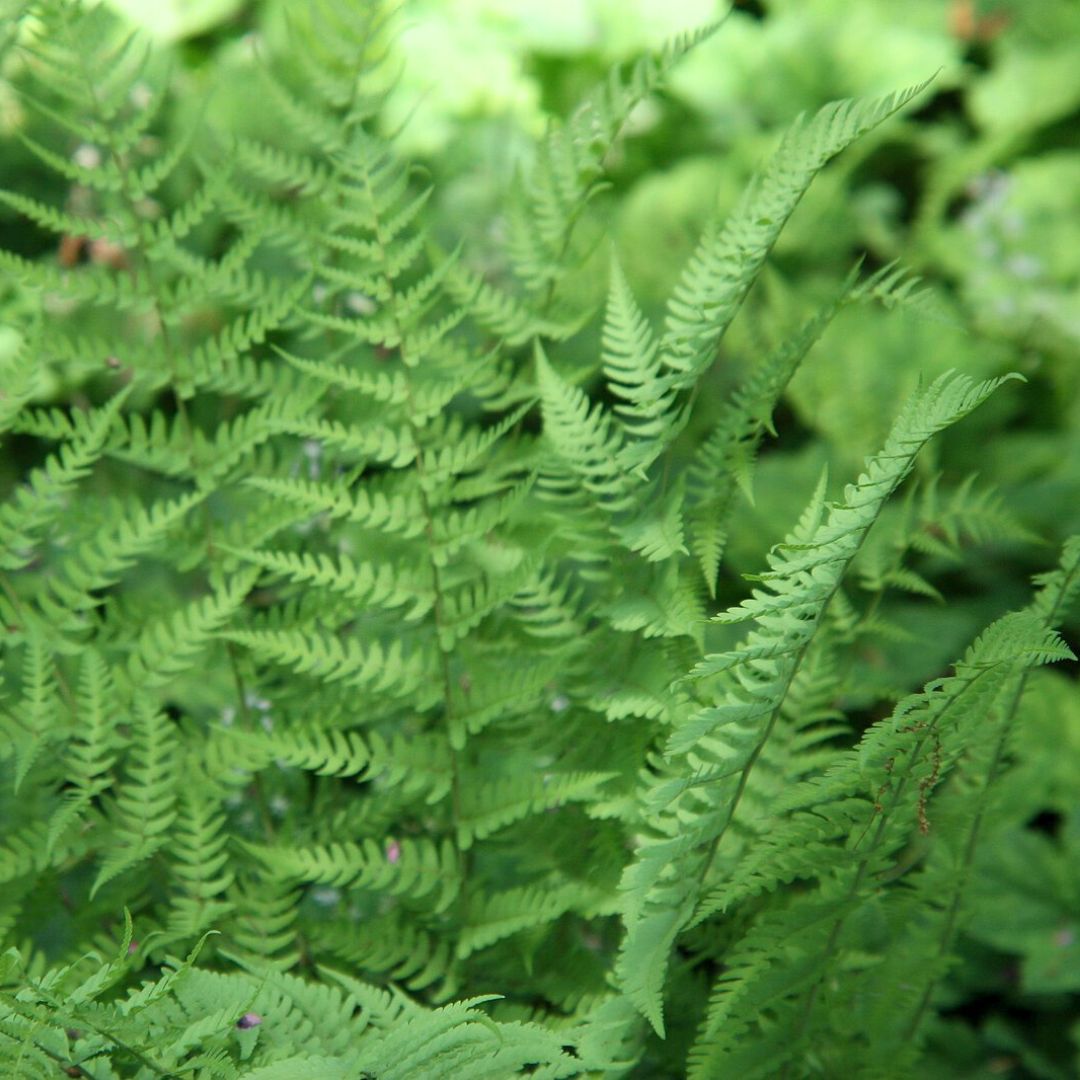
x=366 y=712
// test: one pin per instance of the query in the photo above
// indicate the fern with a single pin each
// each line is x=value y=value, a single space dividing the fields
x=372 y=696
x=722 y=741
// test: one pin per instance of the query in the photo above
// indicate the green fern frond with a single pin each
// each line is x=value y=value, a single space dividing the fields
x=727 y=260
x=499 y=312
x=93 y=750
x=411 y=868
x=715 y=749
x=569 y=164
x=41 y=500
x=198 y=852
x=146 y=800
x=414 y=765
x=877 y=795
x=487 y=808
x=630 y=352
x=721 y=464
x=377 y=585
x=390 y=946
x=502 y=914
x=170 y=646
x=38 y=712
x=353 y=600
x=380 y=668
x=584 y=437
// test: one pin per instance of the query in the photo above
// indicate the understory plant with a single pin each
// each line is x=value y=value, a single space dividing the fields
x=378 y=699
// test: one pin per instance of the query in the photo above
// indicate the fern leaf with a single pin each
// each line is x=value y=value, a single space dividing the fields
x=564 y=177
x=170 y=646
x=486 y=808
x=630 y=358
x=41 y=499
x=415 y=868
x=146 y=803
x=382 y=669
x=714 y=750
x=583 y=436
x=721 y=464
x=726 y=262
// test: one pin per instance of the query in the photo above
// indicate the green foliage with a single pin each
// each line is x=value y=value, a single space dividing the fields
x=374 y=703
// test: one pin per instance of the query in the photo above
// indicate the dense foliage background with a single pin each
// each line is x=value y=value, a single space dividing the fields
x=976 y=188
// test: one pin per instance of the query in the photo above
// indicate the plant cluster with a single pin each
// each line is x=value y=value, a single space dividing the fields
x=381 y=695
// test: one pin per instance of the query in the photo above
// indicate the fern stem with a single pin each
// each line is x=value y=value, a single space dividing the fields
x=960 y=884
x=883 y=817
x=438 y=608
x=261 y=801
x=952 y=915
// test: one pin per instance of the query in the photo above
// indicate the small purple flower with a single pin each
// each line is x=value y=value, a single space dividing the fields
x=133 y=948
x=249 y=1020
x=393 y=851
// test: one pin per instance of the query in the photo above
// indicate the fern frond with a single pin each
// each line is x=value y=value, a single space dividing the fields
x=399 y=512
x=170 y=646
x=850 y=826
x=146 y=802
x=630 y=358
x=99 y=561
x=584 y=436
x=379 y=585
x=486 y=808
x=714 y=749
x=499 y=312
x=657 y=532
x=391 y=946
x=41 y=499
x=727 y=260
x=38 y=711
x=265 y=930
x=721 y=464
x=413 y=868
x=565 y=175
x=412 y=765
x=198 y=852
x=92 y=752
x=382 y=669
x=502 y=914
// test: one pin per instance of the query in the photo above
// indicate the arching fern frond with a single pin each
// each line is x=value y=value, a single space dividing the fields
x=713 y=749
x=727 y=260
